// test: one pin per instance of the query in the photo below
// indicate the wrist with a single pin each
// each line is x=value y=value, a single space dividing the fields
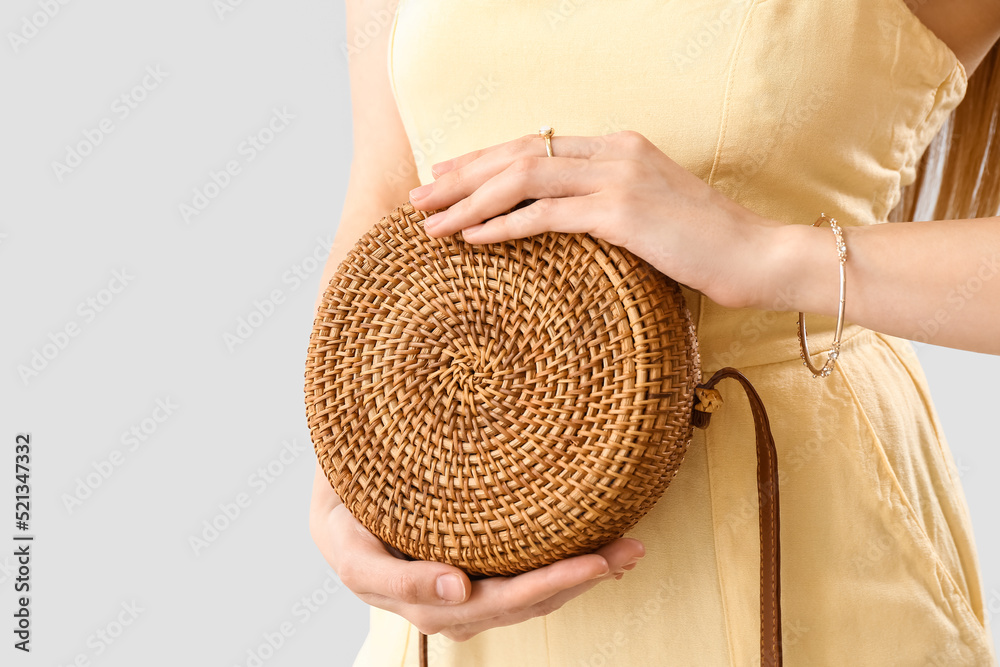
x=804 y=270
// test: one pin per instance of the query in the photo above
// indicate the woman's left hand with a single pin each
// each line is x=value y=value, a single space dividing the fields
x=618 y=187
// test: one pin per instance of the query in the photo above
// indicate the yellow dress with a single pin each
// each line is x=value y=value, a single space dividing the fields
x=791 y=108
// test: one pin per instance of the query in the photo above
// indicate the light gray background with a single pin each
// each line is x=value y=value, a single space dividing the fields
x=162 y=337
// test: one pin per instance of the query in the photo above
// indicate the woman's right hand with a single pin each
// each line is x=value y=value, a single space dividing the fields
x=440 y=598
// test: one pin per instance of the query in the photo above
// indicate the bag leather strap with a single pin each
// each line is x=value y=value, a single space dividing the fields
x=767 y=509
x=767 y=505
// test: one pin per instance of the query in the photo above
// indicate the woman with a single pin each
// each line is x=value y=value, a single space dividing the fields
x=706 y=137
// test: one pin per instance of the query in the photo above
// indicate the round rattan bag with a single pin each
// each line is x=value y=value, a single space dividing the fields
x=498 y=407
x=501 y=407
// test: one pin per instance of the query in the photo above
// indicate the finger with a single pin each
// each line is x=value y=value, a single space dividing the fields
x=621 y=554
x=527 y=178
x=589 y=147
x=534 y=142
x=502 y=595
x=439 y=168
x=498 y=596
x=323 y=501
x=366 y=567
x=562 y=214
x=324 y=498
x=617 y=554
x=471 y=170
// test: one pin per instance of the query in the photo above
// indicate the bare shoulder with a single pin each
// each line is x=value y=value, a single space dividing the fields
x=969 y=27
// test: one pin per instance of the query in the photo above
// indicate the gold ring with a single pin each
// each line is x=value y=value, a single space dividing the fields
x=546 y=132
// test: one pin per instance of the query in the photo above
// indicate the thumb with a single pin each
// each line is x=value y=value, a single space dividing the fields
x=369 y=566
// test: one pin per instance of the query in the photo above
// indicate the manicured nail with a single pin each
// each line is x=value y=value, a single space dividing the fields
x=450 y=588
x=440 y=168
x=603 y=571
x=434 y=221
x=421 y=192
x=473 y=233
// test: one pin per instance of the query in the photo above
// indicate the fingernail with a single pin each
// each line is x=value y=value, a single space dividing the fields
x=421 y=192
x=603 y=572
x=473 y=233
x=434 y=221
x=450 y=588
x=440 y=168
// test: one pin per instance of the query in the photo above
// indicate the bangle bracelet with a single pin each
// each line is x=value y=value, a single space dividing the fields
x=835 y=348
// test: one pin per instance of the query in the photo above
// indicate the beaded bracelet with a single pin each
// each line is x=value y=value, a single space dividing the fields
x=835 y=348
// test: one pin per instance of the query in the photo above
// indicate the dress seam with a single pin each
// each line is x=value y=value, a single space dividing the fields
x=406 y=645
x=940 y=571
x=701 y=311
x=729 y=92
x=928 y=406
x=907 y=156
x=715 y=549
x=545 y=633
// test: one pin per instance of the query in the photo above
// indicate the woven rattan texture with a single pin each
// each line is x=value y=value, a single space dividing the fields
x=498 y=407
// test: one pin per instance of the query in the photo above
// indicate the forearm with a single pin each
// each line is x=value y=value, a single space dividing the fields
x=937 y=282
x=369 y=197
